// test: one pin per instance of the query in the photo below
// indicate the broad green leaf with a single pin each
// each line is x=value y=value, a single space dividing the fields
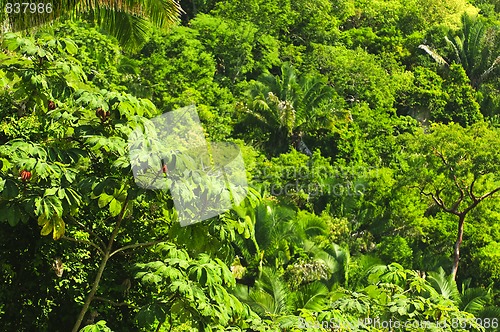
x=59 y=227
x=46 y=224
x=115 y=207
x=10 y=189
x=11 y=40
x=151 y=278
x=70 y=46
x=51 y=191
x=121 y=162
x=104 y=199
x=13 y=215
x=50 y=206
x=100 y=326
x=29 y=49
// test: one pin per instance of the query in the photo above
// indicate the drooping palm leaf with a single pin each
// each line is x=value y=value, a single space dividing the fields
x=439 y=59
x=457 y=46
x=484 y=76
x=127 y=20
x=130 y=30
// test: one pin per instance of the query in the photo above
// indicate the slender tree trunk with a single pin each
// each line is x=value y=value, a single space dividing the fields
x=91 y=295
x=104 y=261
x=456 y=251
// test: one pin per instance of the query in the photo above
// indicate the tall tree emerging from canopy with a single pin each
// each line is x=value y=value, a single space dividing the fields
x=457 y=168
x=127 y=20
x=471 y=49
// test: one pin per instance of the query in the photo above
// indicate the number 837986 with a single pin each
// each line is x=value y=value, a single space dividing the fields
x=28 y=7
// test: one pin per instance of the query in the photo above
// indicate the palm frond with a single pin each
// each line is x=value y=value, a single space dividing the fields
x=131 y=31
x=439 y=59
x=457 y=47
x=490 y=312
x=323 y=256
x=473 y=300
x=288 y=83
x=271 y=294
x=444 y=284
x=488 y=71
x=262 y=302
x=310 y=227
x=127 y=20
x=335 y=258
x=312 y=296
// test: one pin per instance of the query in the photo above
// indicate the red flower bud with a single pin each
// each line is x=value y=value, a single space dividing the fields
x=25 y=175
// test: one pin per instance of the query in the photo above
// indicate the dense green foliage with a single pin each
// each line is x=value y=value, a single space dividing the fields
x=370 y=132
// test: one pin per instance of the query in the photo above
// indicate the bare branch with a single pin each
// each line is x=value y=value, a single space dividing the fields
x=471 y=190
x=85 y=242
x=439 y=59
x=489 y=194
x=439 y=201
x=438 y=198
x=459 y=200
x=455 y=206
x=478 y=200
x=136 y=245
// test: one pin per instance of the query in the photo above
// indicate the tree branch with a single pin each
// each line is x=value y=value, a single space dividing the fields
x=478 y=200
x=460 y=199
x=85 y=242
x=489 y=194
x=454 y=178
x=471 y=190
x=438 y=200
x=136 y=245
x=441 y=202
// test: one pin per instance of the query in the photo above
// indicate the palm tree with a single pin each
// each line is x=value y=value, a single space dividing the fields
x=127 y=20
x=471 y=50
x=478 y=301
x=271 y=297
x=285 y=105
